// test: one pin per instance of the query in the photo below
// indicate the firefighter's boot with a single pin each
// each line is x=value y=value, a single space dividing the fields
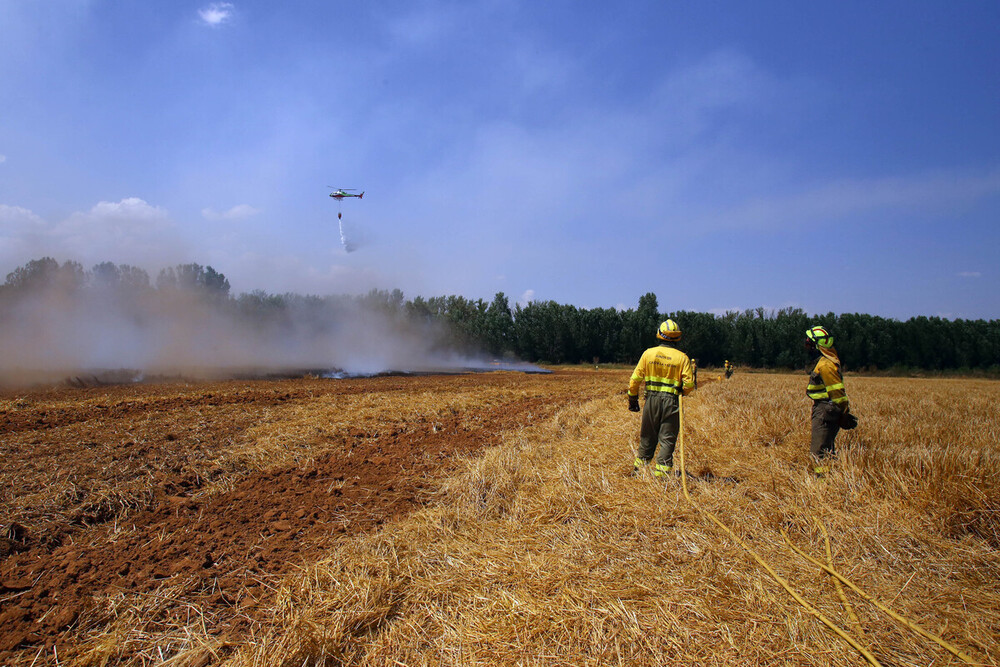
x=639 y=467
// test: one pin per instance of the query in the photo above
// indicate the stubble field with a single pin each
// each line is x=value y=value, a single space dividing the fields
x=489 y=519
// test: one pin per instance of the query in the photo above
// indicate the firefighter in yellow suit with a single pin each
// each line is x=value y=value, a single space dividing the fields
x=667 y=374
x=826 y=389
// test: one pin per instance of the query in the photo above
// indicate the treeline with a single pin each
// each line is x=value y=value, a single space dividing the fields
x=549 y=332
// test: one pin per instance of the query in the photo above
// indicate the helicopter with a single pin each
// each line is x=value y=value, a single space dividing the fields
x=339 y=193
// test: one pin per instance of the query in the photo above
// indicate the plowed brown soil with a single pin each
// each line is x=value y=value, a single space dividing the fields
x=154 y=490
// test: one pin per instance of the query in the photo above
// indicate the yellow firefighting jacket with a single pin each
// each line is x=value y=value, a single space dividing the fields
x=827 y=384
x=662 y=368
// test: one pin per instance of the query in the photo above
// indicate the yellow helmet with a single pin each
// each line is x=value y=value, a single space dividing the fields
x=669 y=331
x=820 y=336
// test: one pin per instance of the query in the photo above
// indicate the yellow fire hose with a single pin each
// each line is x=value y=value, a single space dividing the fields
x=828 y=568
x=843 y=634
x=901 y=619
x=836 y=582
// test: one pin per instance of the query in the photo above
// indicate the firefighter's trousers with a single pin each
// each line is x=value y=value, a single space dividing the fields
x=661 y=422
x=825 y=426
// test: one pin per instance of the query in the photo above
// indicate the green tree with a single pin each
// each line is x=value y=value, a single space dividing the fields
x=639 y=328
x=703 y=337
x=499 y=325
x=194 y=278
x=46 y=272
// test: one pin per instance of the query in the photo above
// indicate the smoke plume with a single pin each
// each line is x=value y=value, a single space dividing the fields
x=60 y=330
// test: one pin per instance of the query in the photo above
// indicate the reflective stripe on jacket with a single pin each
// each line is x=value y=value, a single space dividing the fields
x=827 y=384
x=662 y=368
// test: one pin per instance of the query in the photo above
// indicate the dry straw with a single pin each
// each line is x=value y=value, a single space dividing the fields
x=543 y=551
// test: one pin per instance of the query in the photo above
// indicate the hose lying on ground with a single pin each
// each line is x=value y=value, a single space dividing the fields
x=901 y=619
x=829 y=569
x=840 y=589
x=843 y=634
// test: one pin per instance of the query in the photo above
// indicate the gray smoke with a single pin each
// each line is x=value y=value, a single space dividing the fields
x=57 y=331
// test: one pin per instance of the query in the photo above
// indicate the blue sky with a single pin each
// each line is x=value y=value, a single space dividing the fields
x=836 y=157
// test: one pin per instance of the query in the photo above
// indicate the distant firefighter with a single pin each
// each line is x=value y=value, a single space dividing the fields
x=667 y=374
x=831 y=408
x=728 y=369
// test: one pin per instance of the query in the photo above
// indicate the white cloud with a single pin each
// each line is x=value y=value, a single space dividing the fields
x=3 y=158
x=130 y=208
x=216 y=13
x=238 y=212
x=970 y=274
x=527 y=297
x=20 y=233
x=15 y=218
x=130 y=231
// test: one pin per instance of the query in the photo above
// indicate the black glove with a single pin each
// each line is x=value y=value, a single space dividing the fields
x=633 y=404
x=848 y=421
